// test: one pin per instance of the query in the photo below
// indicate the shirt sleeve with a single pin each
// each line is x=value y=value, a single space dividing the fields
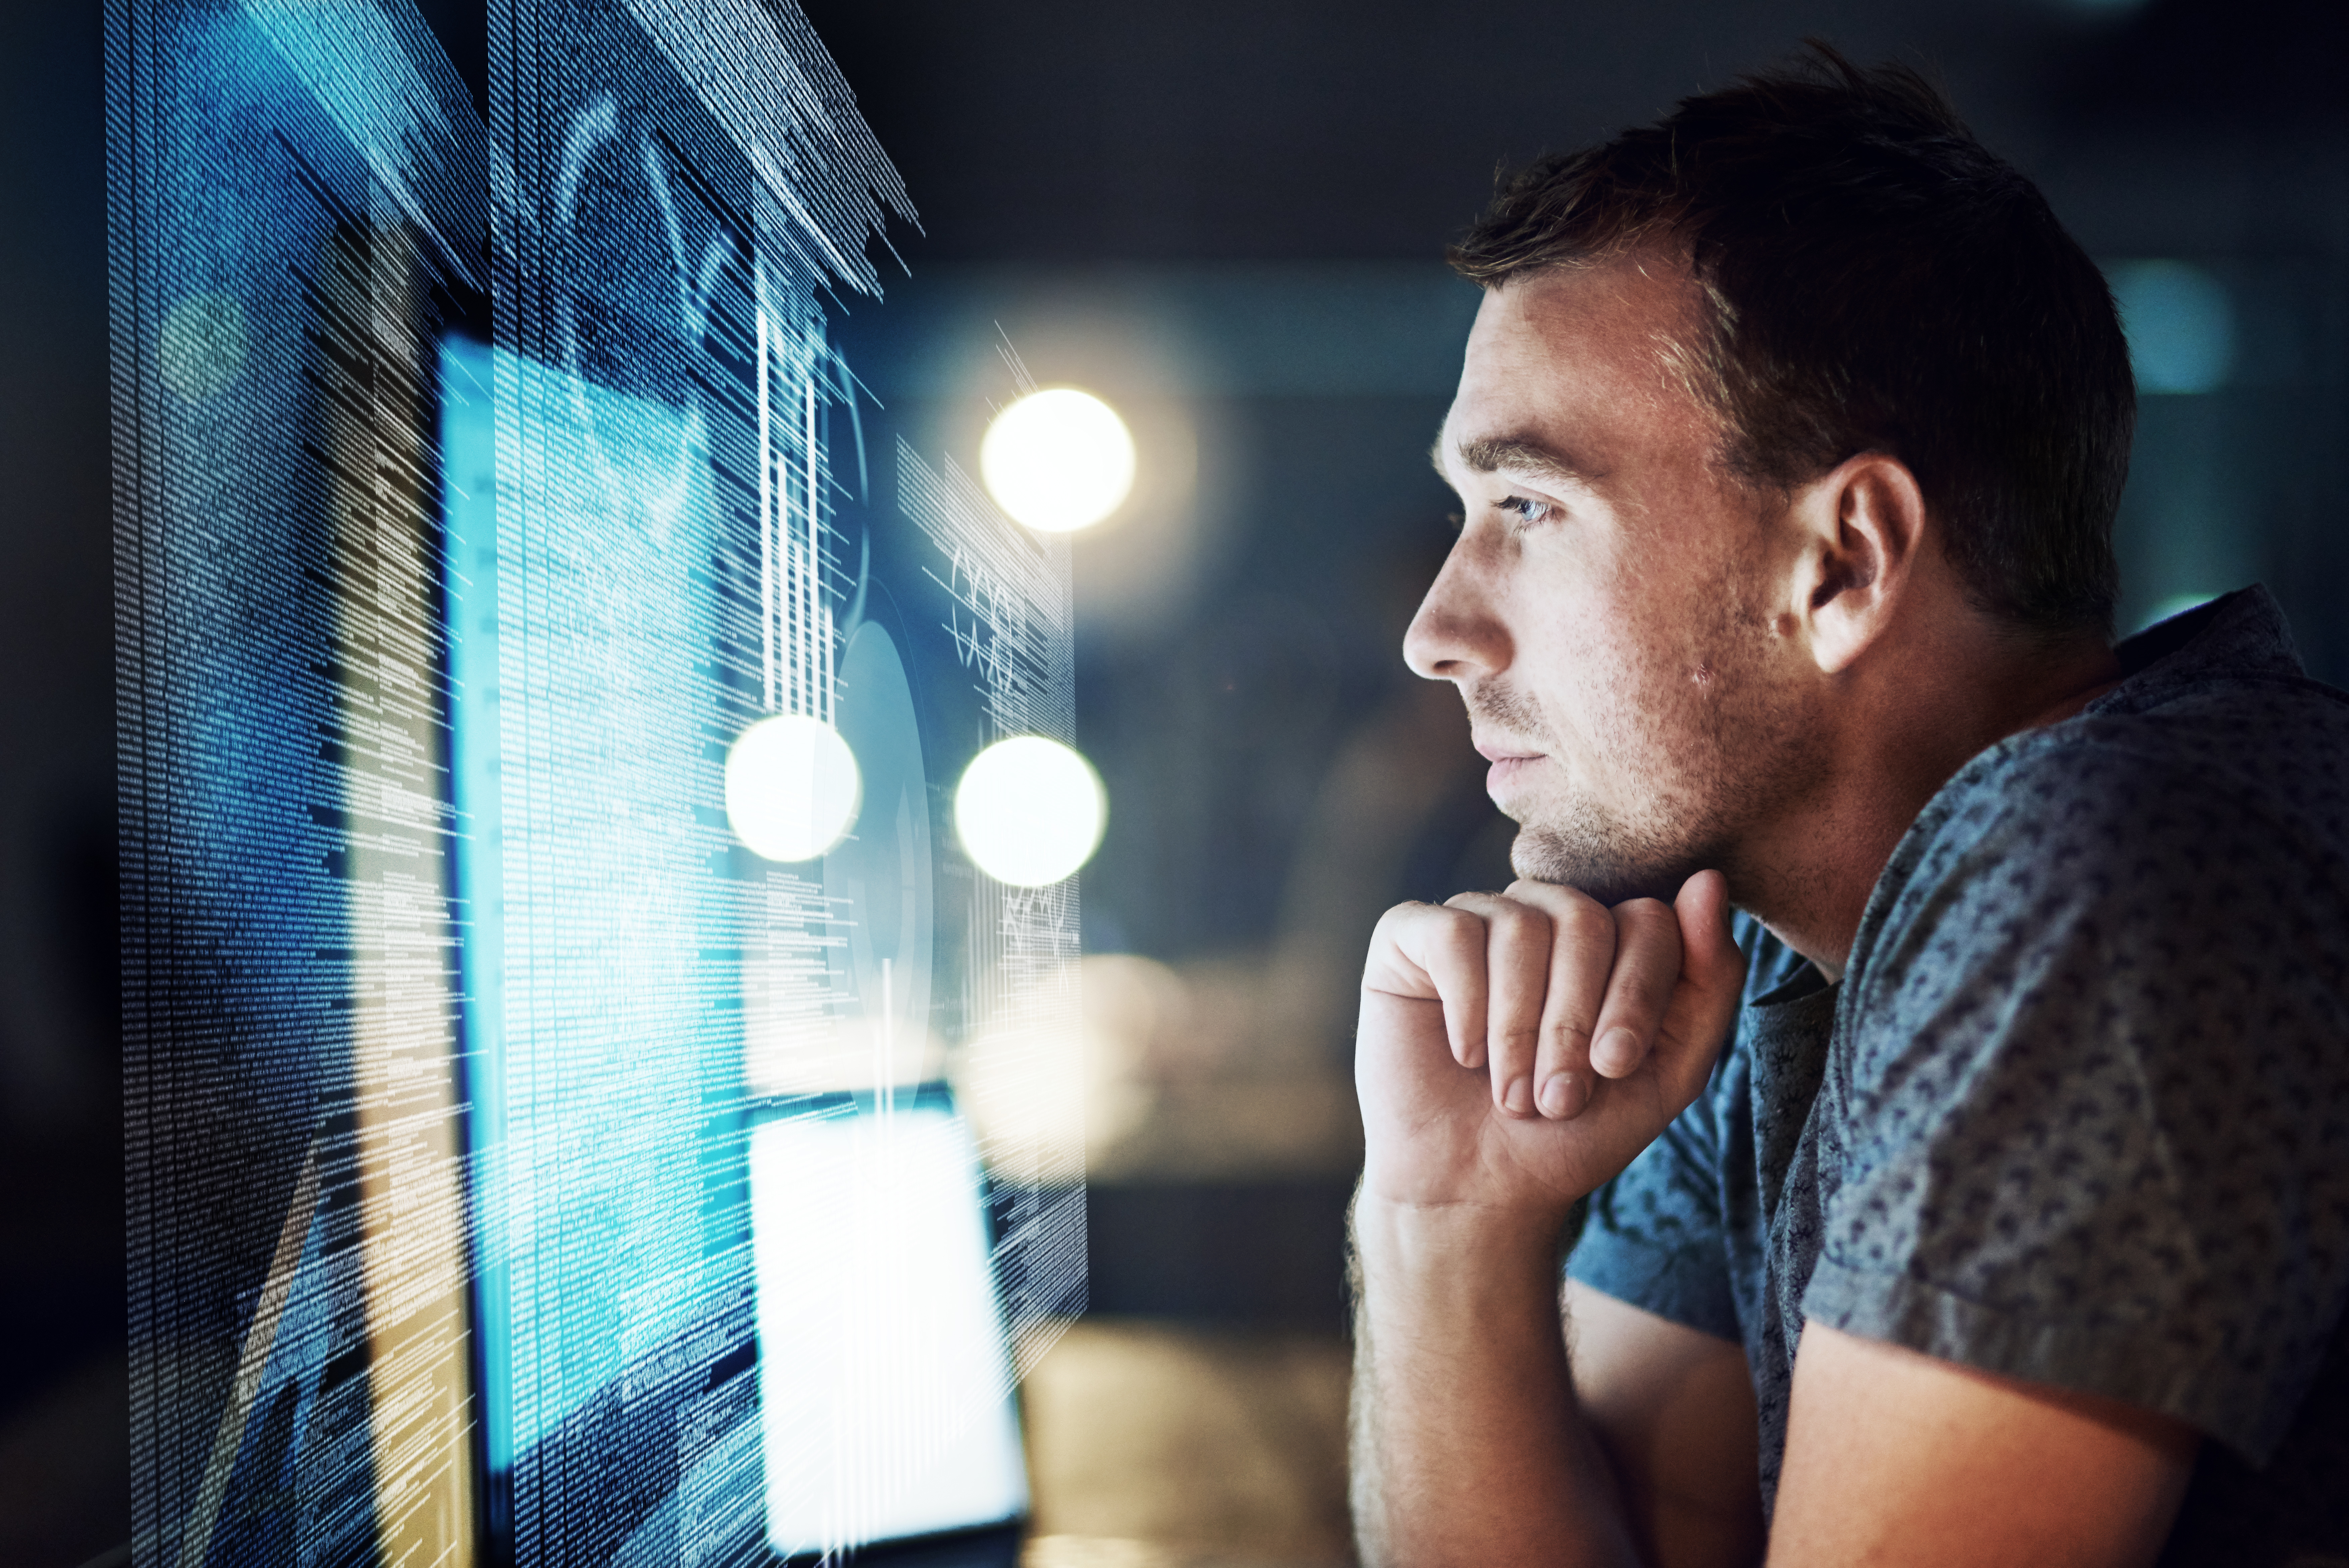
x=2091 y=1124
x=1653 y=1236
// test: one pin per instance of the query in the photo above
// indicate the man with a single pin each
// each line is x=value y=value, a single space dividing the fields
x=2012 y=1226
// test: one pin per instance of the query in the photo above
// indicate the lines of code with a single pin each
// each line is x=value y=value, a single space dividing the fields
x=491 y=1109
x=297 y=1271
x=1008 y=615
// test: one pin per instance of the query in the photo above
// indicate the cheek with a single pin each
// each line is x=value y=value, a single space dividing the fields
x=1652 y=697
x=1621 y=657
x=1596 y=679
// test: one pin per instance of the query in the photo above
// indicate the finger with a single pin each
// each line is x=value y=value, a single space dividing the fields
x=1451 y=947
x=1646 y=967
x=1712 y=985
x=1517 y=964
x=1582 y=951
x=1426 y=953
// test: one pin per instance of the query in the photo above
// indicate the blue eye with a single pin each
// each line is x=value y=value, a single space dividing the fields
x=1529 y=512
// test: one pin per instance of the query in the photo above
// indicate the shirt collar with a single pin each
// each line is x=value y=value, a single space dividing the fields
x=2238 y=635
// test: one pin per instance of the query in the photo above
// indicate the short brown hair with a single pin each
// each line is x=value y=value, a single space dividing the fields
x=1877 y=280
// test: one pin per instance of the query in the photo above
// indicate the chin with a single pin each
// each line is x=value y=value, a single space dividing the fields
x=1610 y=867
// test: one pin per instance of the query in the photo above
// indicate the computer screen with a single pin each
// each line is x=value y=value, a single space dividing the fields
x=725 y=1192
x=580 y=1085
x=889 y=1416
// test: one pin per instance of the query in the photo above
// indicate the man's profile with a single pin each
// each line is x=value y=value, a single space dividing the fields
x=1979 y=1190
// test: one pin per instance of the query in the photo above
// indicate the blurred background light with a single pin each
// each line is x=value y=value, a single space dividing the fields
x=2177 y=605
x=792 y=787
x=1133 y=1006
x=1030 y=811
x=2180 y=325
x=1079 y=1097
x=1057 y=460
x=1024 y=1093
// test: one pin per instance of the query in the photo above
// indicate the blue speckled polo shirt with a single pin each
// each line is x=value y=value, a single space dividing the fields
x=2079 y=1110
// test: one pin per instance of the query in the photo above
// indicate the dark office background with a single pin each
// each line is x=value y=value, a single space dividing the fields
x=1223 y=215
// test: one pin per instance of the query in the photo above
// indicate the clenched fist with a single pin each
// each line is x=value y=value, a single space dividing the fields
x=1518 y=1049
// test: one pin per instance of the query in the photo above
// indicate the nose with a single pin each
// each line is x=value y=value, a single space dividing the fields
x=1456 y=635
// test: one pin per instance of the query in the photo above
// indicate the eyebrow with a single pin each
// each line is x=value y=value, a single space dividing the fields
x=1519 y=455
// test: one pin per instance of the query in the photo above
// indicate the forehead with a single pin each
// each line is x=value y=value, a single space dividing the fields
x=1584 y=360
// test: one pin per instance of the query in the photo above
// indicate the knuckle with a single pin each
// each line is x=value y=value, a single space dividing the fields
x=1650 y=940
x=1585 y=922
x=1520 y=922
x=1567 y=1032
x=1461 y=938
x=1411 y=912
x=1555 y=896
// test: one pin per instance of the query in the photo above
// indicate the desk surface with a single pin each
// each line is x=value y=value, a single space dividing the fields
x=1101 y=1552
x=1154 y=1445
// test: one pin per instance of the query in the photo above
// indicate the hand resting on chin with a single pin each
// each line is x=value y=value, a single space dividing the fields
x=1517 y=1049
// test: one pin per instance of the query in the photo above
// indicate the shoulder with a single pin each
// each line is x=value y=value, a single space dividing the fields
x=2089 y=1077
x=2213 y=823
x=2133 y=900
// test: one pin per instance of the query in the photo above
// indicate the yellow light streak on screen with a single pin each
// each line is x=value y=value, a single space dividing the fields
x=403 y=1037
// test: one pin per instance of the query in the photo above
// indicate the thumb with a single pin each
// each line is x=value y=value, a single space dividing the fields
x=1712 y=979
x=1710 y=961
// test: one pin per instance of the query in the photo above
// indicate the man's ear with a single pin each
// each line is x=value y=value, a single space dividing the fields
x=1860 y=528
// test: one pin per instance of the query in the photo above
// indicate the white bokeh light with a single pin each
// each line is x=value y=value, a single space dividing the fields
x=1030 y=811
x=1057 y=460
x=792 y=787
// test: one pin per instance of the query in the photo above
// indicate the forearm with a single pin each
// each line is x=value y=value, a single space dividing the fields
x=1467 y=1445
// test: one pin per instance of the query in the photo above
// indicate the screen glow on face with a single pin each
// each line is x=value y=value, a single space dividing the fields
x=884 y=1383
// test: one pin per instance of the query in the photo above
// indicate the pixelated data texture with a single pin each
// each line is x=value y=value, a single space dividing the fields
x=1010 y=613
x=450 y=1001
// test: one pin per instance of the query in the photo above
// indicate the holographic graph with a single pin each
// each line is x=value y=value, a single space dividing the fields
x=566 y=1032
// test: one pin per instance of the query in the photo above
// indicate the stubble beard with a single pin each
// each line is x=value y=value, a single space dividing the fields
x=1583 y=846
x=1732 y=758
x=1610 y=860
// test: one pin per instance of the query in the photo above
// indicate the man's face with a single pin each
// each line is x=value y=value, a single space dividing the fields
x=1607 y=611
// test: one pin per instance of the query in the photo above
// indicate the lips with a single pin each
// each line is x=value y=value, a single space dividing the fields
x=1509 y=759
x=1499 y=750
x=1504 y=770
x=1509 y=755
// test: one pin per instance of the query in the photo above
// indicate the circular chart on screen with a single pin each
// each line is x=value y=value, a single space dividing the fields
x=880 y=874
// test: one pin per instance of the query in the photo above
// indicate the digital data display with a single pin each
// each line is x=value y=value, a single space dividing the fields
x=582 y=1087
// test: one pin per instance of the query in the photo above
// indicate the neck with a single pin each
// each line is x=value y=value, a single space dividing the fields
x=1808 y=873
